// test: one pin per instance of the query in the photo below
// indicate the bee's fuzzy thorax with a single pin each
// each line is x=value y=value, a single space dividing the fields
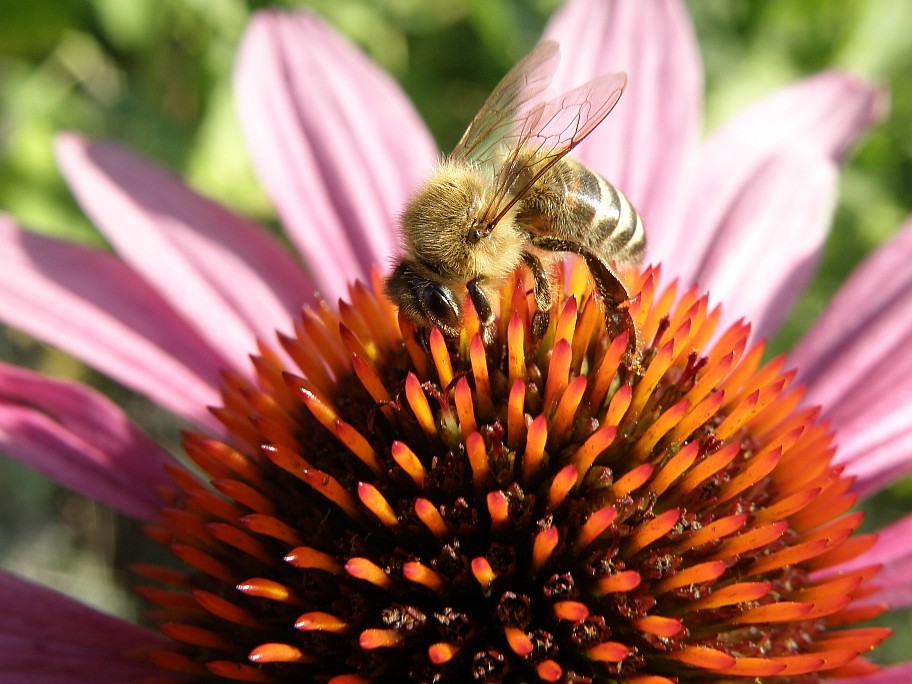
x=438 y=225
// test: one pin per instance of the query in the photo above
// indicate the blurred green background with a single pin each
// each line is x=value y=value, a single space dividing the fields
x=155 y=75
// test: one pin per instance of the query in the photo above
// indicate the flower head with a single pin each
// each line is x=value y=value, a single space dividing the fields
x=530 y=510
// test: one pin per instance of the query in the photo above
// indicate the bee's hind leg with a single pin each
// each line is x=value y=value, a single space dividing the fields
x=612 y=292
x=483 y=308
x=541 y=289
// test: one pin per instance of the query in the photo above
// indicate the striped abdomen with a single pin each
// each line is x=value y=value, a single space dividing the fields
x=573 y=203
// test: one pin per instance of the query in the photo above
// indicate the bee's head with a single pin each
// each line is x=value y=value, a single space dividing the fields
x=426 y=301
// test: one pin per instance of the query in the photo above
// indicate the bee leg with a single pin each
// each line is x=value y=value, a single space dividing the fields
x=423 y=335
x=612 y=292
x=542 y=291
x=483 y=309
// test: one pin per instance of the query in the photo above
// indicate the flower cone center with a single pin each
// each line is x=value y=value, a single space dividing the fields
x=400 y=507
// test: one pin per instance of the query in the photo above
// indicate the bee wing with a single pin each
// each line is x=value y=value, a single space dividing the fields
x=519 y=136
x=497 y=118
x=543 y=133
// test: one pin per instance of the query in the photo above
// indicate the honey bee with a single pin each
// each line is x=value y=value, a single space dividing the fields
x=508 y=195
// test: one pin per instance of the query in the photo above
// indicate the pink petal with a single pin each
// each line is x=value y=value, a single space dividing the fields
x=871 y=308
x=895 y=674
x=81 y=440
x=894 y=553
x=334 y=140
x=643 y=144
x=227 y=277
x=93 y=306
x=48 y=638
x=819 y=116
x=876 y=445
x=752 y=278
x=858 y=366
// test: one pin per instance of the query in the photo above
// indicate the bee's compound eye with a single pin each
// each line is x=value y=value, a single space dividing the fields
x=440 y=306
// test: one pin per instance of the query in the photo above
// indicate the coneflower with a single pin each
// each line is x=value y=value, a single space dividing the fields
x=395 y=507
x=385 y=505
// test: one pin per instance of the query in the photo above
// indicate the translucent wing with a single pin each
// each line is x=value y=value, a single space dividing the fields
x=543 y=133
x=520 y=136
x=497 y=117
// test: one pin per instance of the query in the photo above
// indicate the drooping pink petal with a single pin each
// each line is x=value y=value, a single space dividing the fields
x=755 y=280
x=895 y=674
x=91 y=305
x=821 y=116
x=857 y=362
x=226 y=276
x=879 y=455
x=78 y=438
x=336 y=143
x=48 y=638
x=862 y=324
x=893 y=552
x=643 y=145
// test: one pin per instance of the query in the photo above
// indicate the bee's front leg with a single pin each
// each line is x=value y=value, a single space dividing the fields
x=542 y=292
x=483 y=308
